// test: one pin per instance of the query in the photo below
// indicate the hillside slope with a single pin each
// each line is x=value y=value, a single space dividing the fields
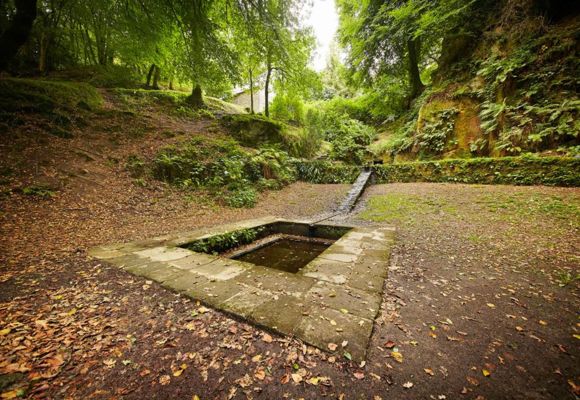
x=511 y=89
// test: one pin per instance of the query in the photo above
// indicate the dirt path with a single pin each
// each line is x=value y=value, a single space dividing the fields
x=473 y=289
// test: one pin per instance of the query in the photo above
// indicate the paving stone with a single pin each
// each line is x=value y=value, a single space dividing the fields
x=343 y=298
x=128 y=260
x=163 y=253
x=328 y=270
x=318 y=330
x=277 y=281
x=221 y=269
x=281 y=313
x=193 y=261
x=337 y=256
x=365 y=281
x=183 y=282
x=213 y=293
x=244 y=302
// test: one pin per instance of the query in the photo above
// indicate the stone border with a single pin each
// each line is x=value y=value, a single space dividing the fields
x=333 y=299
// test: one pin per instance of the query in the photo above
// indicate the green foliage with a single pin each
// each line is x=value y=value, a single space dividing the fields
x=240 y=198
x=60 y=104
x=231 y=173
x=349 y=137
x=525 y=170
x=220 y=243
x=110 y=76
x=39 y=191
x=136 y=166
x=326 y=172
x=432 y=137
x=32 y=95
x=288 y=108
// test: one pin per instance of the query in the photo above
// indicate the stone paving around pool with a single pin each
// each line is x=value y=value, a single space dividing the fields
x=333 y=299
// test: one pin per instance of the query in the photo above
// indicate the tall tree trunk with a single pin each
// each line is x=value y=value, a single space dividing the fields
x=268 y=75
x=43 y=53
x=149 y=75
x=196 y=98
x=251 y=92
x=156 y=77
x=17 y=31
x=417 y=86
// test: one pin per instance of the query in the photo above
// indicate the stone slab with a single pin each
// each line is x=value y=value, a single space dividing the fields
x=334 y=298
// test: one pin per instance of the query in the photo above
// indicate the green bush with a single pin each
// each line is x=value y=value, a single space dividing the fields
x=525 y=170
x=349 y=137
x=240 y=198
x=288 y=108
x=326 y=172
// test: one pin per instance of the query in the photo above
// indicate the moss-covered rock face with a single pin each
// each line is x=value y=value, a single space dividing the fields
x=254 y=130
x=515 y=93
x=454 y=121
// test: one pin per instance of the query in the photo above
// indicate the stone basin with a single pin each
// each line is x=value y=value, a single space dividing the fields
x=332 y=299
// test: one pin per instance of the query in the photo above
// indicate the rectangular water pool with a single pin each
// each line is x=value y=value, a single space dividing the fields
x=285 y=254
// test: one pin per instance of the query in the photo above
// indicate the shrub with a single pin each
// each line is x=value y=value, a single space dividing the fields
x=326 y=172
x=524 y=170
x=240 y=198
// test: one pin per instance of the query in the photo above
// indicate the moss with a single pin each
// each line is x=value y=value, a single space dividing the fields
x=32 y=95
x=525 y=170
x=253 y=130
x=403 y=207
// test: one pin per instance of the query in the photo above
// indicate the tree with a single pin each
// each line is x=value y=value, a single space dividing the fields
x=17 y=30
x=387 y=37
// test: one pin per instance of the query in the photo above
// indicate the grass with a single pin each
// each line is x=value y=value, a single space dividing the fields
x=536 y=205
x=33 y=95
x=404 y=208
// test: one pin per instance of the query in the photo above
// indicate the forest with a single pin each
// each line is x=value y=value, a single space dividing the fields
x=289 y=199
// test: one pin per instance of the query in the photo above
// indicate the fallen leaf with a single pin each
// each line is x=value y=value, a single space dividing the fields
x=332 y=322
x=408 y=385
x=472 y=380
x=332 y=346
x=179 y=371
x=297 y=378
x=344 y=310
x=260 y=374
x=485 y=372
x=164 y=380
x=347 y=355
x=5 y=331
x=285 y=379
x=544 y=323
x=257 y=358
x=359 y=375
x=313 y=381
x=491 y=305
x=267 y=338
x=390 y=344
x=429 y=371
x=397 y=356
x=244 y=381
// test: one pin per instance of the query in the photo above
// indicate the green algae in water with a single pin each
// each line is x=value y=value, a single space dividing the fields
x=288 y=255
